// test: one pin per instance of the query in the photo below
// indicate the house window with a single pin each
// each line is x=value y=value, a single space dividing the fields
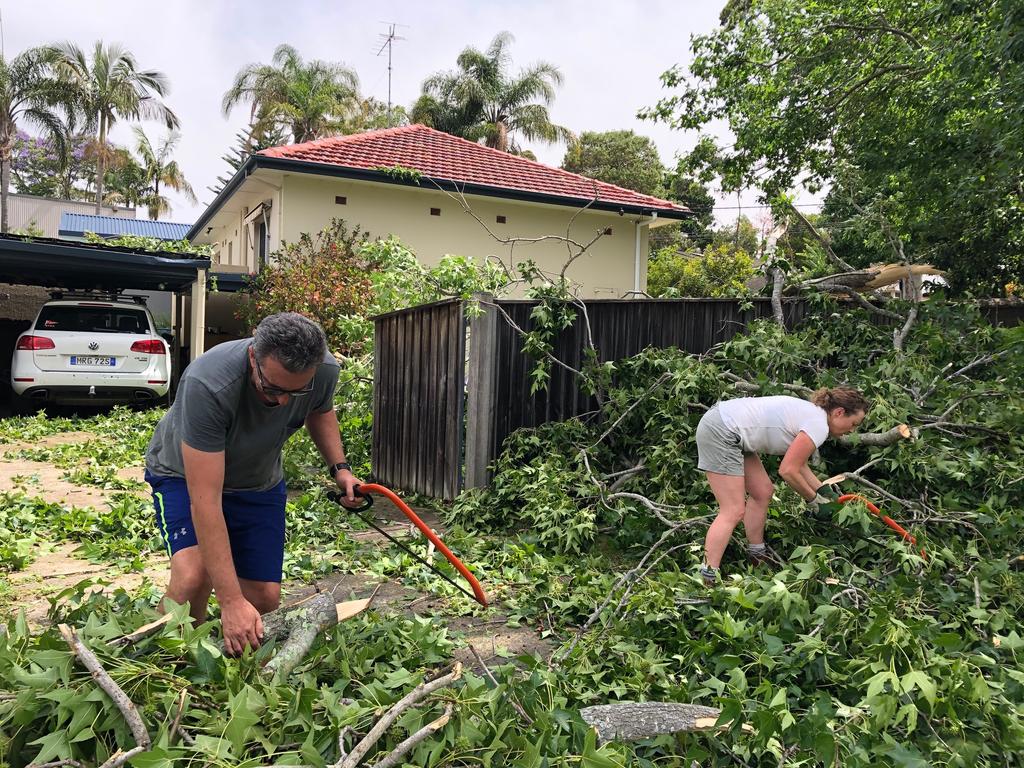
x=340 y=200
x=231 y=248
x=435 y=211
x=261 y=245
x=501 y=219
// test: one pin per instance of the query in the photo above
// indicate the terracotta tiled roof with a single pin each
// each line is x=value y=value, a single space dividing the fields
x=442 y=156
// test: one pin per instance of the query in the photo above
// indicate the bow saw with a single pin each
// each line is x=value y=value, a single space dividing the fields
x=364 y=491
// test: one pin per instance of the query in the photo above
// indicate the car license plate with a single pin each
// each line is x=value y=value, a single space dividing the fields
x=91 y=360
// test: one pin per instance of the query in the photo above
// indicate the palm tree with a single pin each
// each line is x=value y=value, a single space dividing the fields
x=110 y=87
x=160 y=169
x=482 y=101
x=30 y=93
x=312 y=100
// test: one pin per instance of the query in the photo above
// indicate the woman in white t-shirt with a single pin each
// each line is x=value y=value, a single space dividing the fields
x=730 y=438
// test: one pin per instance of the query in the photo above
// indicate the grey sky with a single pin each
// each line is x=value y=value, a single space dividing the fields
x=610 y=53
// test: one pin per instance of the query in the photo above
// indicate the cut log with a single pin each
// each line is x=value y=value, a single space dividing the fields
x=879 y=439
x=302 y=623
x=631 y=721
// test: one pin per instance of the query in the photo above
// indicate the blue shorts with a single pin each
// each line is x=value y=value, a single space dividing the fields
x=255 y=522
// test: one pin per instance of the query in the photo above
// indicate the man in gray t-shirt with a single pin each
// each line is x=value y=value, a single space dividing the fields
x=214 y=463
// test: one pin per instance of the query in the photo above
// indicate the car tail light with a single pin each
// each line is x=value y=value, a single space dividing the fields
x=35 y=342
x=150 y=347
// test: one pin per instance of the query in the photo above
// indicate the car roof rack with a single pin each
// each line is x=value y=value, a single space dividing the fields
x=97 y=295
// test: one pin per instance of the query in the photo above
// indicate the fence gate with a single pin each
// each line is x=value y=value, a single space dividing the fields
x=418 y=399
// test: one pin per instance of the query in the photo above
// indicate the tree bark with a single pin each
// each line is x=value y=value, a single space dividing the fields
x=631 y=721
x=100 y=162
x=416 y=695
x=302 y=623
x=879 y=439
x=778 y=280
x=117 y=695
x=5 y=182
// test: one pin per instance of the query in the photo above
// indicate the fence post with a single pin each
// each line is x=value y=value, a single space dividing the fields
x=483 y=327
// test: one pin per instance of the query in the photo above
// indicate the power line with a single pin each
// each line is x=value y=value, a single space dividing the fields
x=388 y=41
x=744 y=207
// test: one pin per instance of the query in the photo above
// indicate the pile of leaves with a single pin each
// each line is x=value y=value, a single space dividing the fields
x=855 y=651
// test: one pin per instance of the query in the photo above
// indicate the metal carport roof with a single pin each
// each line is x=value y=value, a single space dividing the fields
x=62 y=264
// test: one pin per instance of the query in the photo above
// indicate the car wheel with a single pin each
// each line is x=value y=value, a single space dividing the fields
x=22 y=406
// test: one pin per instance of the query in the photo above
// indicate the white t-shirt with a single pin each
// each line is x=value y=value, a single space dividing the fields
x=770 y=424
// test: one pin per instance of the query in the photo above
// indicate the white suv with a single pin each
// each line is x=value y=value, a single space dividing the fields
x=90 y=349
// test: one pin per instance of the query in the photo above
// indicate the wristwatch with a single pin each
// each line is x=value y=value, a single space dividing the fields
x=335 y=468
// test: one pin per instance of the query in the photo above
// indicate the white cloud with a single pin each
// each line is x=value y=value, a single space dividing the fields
x=610 y=53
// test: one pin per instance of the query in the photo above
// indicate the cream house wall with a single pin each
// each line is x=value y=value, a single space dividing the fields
x=307 y=203
x=235 y=243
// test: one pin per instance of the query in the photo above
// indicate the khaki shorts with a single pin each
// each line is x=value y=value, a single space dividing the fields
x=718 y=447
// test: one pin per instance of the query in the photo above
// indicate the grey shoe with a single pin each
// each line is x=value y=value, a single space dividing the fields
x=710 y=576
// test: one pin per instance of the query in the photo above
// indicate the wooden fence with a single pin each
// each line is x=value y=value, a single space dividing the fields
x=418 y=399
x=425 y=386
x=499 y=397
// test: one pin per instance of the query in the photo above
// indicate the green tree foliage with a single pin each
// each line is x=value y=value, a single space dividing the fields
x=482 y=101
x=142 y=243
x=855 y=650
x=324 y=276
x=617 y=157
x=29 y=94
x=913 y=111
x=719 y=270
x=159 y=169
x=741 y=234
x=109 y=86
x=690 y=234
x=308 y=99
x=248 y=142
x=124 y=178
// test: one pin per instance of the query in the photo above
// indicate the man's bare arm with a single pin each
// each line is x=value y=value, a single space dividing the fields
x=204 y=474
x=326 y=435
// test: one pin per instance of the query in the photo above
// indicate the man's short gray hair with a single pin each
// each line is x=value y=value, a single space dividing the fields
x=295 y=341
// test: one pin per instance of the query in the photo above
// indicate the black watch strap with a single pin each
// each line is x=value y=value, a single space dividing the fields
x=334 y=469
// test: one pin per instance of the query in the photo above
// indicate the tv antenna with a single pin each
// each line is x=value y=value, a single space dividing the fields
x=388 y=40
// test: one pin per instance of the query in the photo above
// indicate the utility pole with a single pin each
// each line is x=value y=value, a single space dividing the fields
x=388 y=40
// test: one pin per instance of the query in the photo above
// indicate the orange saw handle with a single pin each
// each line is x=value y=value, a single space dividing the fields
x=364 y=489
x=884 y=518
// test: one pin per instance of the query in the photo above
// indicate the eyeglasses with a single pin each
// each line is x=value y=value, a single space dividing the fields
x=273 y=391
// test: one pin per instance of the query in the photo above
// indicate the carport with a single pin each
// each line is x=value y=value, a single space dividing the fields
x=61 y=264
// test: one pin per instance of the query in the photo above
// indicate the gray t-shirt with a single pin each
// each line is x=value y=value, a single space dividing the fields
x=217 y=408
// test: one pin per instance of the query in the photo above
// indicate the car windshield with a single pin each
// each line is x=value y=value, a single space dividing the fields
x=92 y=319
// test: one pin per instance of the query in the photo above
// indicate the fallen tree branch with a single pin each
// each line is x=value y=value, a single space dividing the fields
x=749 y=387
x=880 y=439
x=412 y=698
x=172 y=732
x=427 y=730
x=778 y=281
x=631 y=721
x=821 y=239
x=117 y=695
x=490 y=676
x=625 y=579
x=303 y=622
x=141 y=632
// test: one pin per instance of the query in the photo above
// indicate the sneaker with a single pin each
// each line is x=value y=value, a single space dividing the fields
x=710 y=576
x=766 y=556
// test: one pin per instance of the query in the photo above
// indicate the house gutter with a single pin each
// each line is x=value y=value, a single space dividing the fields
x=256 y=162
